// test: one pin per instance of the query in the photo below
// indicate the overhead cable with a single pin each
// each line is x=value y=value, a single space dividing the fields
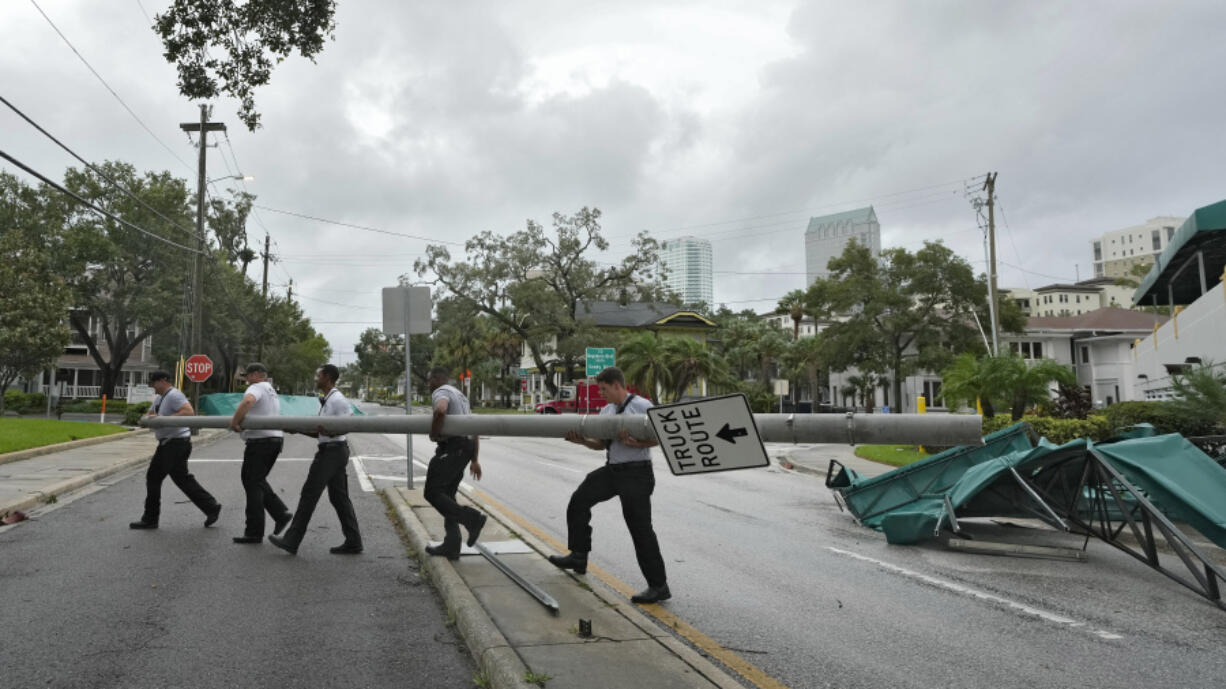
x=108 y=86
x=96 y=171
x=90 y=205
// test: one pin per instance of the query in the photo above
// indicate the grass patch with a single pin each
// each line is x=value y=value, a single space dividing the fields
x=23 y=434
x=894 y=455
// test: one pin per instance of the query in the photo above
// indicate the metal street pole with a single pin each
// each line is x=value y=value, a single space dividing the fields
x=913 y=429
x=197 y=342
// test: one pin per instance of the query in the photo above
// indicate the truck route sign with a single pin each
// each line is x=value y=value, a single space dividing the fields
x=713 y=434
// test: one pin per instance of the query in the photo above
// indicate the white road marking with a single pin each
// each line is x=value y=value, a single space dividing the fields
x=382 y=477
x=981 y=595
x=363 y=480
x=552 y=465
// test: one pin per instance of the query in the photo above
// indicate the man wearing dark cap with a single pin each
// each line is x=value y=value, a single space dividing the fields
x=263 y=446
x=170 y=458
x=327 y=471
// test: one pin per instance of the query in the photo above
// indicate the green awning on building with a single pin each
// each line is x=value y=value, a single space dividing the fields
x=1199 y=244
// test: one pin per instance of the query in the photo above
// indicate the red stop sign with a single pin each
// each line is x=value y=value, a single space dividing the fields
x=198 y=368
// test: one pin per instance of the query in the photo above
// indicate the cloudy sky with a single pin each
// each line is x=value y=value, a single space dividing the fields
x=734 y=121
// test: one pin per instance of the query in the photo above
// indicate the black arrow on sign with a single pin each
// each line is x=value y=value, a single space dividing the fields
x=729 y=434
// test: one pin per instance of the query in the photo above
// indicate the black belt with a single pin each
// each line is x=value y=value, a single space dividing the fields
x=334 y=442
x=619 y=466
x=265 y=440
x=163 y=441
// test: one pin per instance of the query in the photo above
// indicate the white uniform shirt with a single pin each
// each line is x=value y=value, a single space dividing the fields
x=167 y=405
x=620 y=452
x=334 y=404
x=266 y=404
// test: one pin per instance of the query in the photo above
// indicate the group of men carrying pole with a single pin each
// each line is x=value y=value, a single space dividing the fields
x=627 y=473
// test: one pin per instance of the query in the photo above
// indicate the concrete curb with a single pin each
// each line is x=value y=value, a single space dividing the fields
x=493 y=653
x=77 y=482
x=59 y=447
x=785 y=460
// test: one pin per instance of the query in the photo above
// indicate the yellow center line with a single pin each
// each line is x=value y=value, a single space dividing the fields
x=711 y=647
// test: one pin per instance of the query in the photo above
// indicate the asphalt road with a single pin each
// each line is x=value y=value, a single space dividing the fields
x=87 y=602
x=764 y=562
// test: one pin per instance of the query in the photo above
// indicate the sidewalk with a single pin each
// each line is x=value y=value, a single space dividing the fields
x=815 y=459
x=511 y=634
x=29 y=478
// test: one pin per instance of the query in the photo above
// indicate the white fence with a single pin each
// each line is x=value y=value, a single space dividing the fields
x=93 y=392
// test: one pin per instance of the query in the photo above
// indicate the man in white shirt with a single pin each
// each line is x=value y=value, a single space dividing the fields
x=327 y=469
x=626 y=475
x=446 y=468
x=261 y=452
x=170 y=459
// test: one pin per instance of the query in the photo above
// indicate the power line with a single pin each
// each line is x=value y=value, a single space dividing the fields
x=356 y=227
x=100 y=173
x=90 y=205
x=108 y=86
x=1011 y=242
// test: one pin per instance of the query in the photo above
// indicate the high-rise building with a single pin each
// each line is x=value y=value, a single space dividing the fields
x=687 y=261
x=827 y=236
x=1116 y=252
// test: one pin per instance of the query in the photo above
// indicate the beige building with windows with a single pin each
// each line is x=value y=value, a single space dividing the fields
x=1116 y=252
x=1061 y=300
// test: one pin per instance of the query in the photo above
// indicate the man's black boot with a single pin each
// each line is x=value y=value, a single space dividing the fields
x=576 y=561
x=444 y=550
x=652 y=594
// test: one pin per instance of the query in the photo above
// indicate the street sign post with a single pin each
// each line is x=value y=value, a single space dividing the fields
x=406 y=311
x=598 y=359
x=198 y=368
x=714 y=434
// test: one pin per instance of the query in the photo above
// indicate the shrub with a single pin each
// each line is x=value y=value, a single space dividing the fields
x=1165 y=417
x=94 y=406
x=1058 y=431
x=19 y=402
x=133 y=412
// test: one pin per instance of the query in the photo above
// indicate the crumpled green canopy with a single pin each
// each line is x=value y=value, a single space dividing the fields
x=908 y=507
x=224 y=404
x=1183 y=482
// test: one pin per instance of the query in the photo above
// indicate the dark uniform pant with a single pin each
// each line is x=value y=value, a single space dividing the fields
x=443 y=477
x=170 y=459
x=259 y=456
x=634 y=483
x=327 y=471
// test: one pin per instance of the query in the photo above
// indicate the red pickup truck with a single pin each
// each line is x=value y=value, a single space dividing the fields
x=580 y=398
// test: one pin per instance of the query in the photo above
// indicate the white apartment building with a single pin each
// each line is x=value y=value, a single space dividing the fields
x=827 y=236
x=1059 y=299
x=687 y=261
x=1116 y=252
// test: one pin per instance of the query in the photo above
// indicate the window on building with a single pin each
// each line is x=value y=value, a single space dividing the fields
x=1098 y=251
x=1170 y=232
x=1038 y=350
x=932 y=392
x=1157 y=239
x=1078 y=298
x=1085 y=354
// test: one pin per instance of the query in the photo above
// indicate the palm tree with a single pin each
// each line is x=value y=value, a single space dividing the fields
x=967 y=380
x=645 y=362
x=793 y=304
x=1028 y=384
x=691 y=361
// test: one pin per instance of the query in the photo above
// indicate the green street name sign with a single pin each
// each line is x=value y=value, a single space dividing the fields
x=598 y=359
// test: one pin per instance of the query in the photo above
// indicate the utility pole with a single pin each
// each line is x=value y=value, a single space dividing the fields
x=265 y=288
x=204 y=127
x=989 y=184
x=259 y=348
